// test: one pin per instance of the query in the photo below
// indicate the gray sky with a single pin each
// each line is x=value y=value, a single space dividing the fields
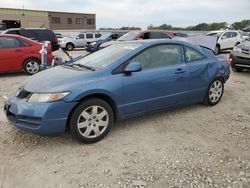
x=115 y=13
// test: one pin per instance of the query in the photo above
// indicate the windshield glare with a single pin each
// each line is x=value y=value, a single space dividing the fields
x=103 y=37
x=129 y=36
x=107 y=56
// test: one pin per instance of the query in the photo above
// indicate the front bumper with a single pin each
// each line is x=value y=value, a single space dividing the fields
x=39 y=118
x=90 y=48
x=239 y=61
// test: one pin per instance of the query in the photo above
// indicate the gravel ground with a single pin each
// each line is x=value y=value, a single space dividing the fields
x=194 y=146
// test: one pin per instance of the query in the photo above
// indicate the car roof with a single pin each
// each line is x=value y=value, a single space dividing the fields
x=16 y=29
x=19 y=37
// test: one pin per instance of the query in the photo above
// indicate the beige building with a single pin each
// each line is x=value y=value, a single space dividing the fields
x=14 y=18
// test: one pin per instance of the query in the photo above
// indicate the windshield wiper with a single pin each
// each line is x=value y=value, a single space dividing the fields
x=84 y=66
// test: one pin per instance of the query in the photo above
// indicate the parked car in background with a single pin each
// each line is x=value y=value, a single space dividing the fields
x=59 y=35
x=78 y=41
x=140 y=35
x=226 y=40
x=118 y=82
x=245 y=36
x=18 y=53
x=240 y=57
x=179 y=34
x=94 y=46
x=36 y=34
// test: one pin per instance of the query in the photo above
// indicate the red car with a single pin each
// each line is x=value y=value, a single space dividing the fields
x=18 y=53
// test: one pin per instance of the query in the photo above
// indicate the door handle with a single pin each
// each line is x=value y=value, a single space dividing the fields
x=18 y=50
x=179 y=71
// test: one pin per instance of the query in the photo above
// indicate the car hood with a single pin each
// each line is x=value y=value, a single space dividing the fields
x=245 y=45
x=58 y=79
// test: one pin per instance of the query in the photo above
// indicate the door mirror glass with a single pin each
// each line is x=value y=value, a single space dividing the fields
x=133 y=67
x=224 y=37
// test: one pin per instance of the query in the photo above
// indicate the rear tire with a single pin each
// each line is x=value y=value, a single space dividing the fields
x=91 y=120
x=31 y=66
x=214 y=92
x=70 y=47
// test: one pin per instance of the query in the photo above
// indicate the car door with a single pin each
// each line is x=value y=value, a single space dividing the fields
x=163 y=81
x=225 y=41
x=197 y=65
x=80 y=40
x=10 y=54
x=89 y=37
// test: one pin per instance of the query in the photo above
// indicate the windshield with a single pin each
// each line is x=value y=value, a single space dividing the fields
x=129 y=36
x=107 y=56
x=103 y=37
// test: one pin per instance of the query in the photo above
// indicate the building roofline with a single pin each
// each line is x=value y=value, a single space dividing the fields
x=48 y=11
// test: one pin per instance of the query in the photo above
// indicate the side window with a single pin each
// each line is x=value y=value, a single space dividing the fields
x=192 y=55
x=80 y=36
x=159 y=56
x=114 y=36
x=164 y=35
x=234 y=34
x=22 y=43
x=144 y=36
x=89 y=35
x=98 y=35
x=155 y=35
x=226 y=35
x=7 y=42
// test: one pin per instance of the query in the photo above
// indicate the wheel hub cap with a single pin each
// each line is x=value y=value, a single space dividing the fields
x=93 y=121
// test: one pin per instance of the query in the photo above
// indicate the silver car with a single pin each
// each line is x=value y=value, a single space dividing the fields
x=78 y=41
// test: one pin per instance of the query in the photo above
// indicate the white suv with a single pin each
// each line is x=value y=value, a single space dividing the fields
x=226 y=39
x=78 y=41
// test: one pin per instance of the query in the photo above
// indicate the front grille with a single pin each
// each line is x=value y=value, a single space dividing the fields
x=245 y=51
x=22 y=94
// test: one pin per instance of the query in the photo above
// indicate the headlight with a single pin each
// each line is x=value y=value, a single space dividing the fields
x=237 y=49
x=93 y=43
x=47 y=97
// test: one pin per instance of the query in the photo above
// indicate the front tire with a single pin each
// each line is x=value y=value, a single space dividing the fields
x=31 y=66
x=214 y=92
x=69 y=47
x=91 y=120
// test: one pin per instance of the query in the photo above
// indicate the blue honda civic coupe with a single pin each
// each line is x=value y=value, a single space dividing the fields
x=118 y=82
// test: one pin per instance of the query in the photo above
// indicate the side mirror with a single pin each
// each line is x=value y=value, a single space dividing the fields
x=133 y=67
x=223 y=37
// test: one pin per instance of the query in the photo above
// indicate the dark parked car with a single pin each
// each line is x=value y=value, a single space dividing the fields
x=240 y=57
x=115 y=83
x=37 y=34
x=140 y=35
x=178 y=34
x=94 y=46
